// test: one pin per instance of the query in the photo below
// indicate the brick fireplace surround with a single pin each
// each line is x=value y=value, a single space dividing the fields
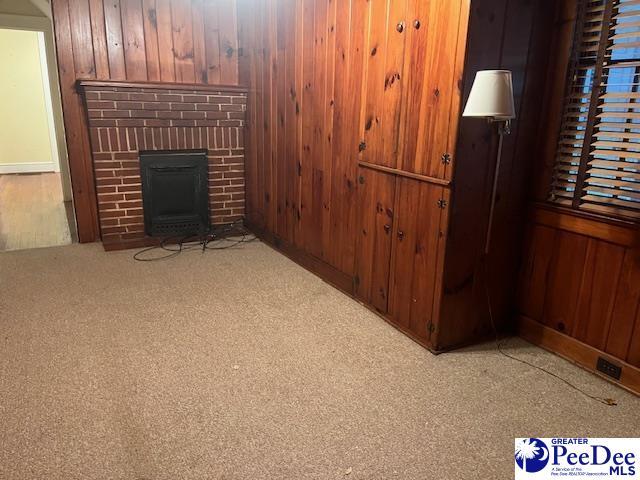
x=125 y=118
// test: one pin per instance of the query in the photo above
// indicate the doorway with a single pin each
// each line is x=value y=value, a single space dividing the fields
x=35 y=196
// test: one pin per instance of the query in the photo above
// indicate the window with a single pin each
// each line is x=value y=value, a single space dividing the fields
x=597 y=165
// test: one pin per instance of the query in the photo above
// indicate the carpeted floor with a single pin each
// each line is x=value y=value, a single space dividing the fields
x=239 y=364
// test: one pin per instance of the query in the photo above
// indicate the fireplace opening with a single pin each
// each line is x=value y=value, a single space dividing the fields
x=175 y=192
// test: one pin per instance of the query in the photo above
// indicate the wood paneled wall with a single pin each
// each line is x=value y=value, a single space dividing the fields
x=166 y=41
x=303 y=61
x=578 y=292
x=338 y=86
x=581 y=277
x=513 y=35
x=334 y=83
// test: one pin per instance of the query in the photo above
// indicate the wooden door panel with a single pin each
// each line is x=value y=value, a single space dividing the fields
x=431 y=84
x=383 y=85
x=376 y=192
x=417 y=245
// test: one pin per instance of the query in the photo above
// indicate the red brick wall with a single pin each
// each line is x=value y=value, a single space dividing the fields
x=124 y=120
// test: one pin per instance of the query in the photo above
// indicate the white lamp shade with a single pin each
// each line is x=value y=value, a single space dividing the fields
x=491 y=96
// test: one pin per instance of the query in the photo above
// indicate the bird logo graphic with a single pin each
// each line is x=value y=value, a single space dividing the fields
x=532 y=454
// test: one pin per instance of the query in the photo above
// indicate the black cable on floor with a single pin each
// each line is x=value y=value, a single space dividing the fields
x=219 y=238
x=606 y=401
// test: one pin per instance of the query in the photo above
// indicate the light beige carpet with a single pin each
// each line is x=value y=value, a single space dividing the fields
x=239 y=364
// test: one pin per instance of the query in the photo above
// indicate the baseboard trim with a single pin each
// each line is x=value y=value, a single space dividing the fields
x=32 y=167
x=577 y=352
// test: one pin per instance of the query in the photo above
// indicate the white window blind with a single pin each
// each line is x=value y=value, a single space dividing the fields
x=597 y=164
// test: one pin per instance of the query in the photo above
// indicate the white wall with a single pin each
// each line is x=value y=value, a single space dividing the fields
x=27 y=132
x=10 y=18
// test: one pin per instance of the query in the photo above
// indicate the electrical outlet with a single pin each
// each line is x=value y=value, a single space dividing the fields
x=610 y=369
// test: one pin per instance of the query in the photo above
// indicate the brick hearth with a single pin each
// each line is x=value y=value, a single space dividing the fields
x=127 y=118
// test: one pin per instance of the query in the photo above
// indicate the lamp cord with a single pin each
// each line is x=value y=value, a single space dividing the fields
x=504 y=128
x=499 y=345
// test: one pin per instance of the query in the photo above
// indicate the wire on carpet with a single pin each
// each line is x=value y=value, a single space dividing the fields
x=606 y=401
x=219 y=238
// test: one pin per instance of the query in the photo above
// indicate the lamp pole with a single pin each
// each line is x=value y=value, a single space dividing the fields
x=504 y=128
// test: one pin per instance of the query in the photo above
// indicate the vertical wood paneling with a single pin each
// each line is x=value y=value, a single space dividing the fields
x=633 y=354
x=199 y=42
x=597 y=293
x=404 y=238
x=313 y=220
x=150 y=15
x=326 y=75
x=393 y=80
x=81 y=38
x=228 y=41
x=115 y=48
x=429 y=247
x=430 y=85
x=625 y=310
x=99 y=37
x=248 y=38
x=348 y=60
x=376 y=197
x=260 y=109
x=417 y=241
x=76 y=134
x=564 y=280
x=165 y=41
x=307 y=108
x=464 y=302
x=212 y=38
x=282 y=160
x=327 y=139
x=181 y=21
x=291 y=136
x=583 y=286
x=534 y=272
x=133 y=38
x=269 y=153
x=374 y=85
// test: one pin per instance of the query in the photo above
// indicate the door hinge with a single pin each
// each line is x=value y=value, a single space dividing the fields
x=431 y=327
x=446 y=158
x=362 y=146
x=442 y=203
x=299 y=169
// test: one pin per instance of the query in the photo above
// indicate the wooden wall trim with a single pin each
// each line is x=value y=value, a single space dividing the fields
x=404 y=173
x=577 y=352
x=162 y=86
x=602 y=228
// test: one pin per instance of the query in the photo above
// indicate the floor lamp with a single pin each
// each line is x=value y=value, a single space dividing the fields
x=491 y=98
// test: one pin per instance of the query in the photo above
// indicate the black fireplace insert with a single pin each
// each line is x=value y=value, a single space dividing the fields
x=175 y=192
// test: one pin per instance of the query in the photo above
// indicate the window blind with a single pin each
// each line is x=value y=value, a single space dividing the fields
x=597 y=164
